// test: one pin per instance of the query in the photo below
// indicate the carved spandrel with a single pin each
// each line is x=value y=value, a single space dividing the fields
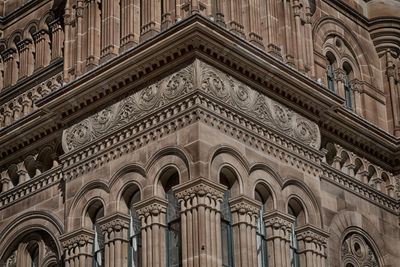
x=213 y=82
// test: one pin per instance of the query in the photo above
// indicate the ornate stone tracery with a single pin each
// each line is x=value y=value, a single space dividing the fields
x=355 y=249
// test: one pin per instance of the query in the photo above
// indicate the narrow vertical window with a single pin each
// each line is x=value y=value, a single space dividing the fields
x=226 y=231
x=173 y=233
x=98 y=242
x=134 y=233
x=262 y=254
x=330 y=76
x=294 y=245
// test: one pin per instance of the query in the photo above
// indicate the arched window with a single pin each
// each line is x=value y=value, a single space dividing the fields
x=227 y=178
x=134 y=234
x=173 y=219
x=98 y=242
x=262 y=254
x=330 y=72
x=347 y=91
x=294 y=245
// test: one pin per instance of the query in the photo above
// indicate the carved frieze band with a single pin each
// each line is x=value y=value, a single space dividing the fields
x=211 y=81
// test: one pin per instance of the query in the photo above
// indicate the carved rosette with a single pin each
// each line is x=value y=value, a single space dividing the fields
x=355 y=249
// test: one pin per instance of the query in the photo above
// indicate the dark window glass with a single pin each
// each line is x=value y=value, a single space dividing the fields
x=226 y=231
x=98 y=242
x=347 y=91
x=262 y=254
x=294 y=245
x=134 y=232
x=174 y=257
x=330 y=77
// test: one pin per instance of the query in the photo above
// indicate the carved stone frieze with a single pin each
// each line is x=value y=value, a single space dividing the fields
x=213 y=82
x=259 y=106
x=130 y=108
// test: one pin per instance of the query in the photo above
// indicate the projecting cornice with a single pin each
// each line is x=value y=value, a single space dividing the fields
x=198 y=37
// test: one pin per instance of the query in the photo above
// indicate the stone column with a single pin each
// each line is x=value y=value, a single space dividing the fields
x=233 y=15
x=309 y=42
x=130 y=23
x=110 y=29
x=57 y=37
x=312 y=246
x=78 y=248
x=355 y=87
x=200 y=201
x=299 y=36
x=115 y=229
x=42 y=44
x=340 y=78
x=93 y=35
x=152 y=213
x=394 y=94
x=11 y=71
x=4 y=181
x=278 y=226
x=7 y=115
x=26 y=58
x=68 y=42
x=80 y=42
x=244 y=225
x=151 y=19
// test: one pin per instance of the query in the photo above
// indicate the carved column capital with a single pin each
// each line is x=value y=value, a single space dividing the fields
x=77 y=238
x=245 y=205
x=40 y=35
x=114 y=222
x=310 y=233
x=151 y=206
x=199 y=187
x=8 y=54
x=278 y=220
x=340 y=75
x=391 y=71
x=24 y=44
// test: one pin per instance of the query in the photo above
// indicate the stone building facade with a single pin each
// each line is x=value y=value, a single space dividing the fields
x=200 y=133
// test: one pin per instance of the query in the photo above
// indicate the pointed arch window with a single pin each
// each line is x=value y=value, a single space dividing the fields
x=134 y=234
x=262 y=253
x=294 y=245
x=98 y=242
x=173 y=219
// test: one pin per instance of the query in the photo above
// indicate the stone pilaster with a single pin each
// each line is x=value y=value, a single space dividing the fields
x=110 y=28
x=200 y=202
x=115 y=229
x=130 y=23
x=77 y=247
x=11 y=72
x=245 y=212
x=26 y=58
x=152 y=213
x=57 y=38
x=151 y=21
x=312 y=246
x=42 y=44
x=93 y=36
x=4 y=181
x=278 y=226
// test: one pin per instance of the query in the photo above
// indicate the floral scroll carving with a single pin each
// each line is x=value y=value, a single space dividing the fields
x=259 y=106
x=209 y=80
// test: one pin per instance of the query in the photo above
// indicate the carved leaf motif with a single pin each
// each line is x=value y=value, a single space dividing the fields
x=178 y=83
x=305 y=132
x=149 y=97
x=242 y=96
x=213 y=84
x=283 y=117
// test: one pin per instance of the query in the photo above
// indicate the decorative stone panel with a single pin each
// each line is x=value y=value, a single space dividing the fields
x=208 y=80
